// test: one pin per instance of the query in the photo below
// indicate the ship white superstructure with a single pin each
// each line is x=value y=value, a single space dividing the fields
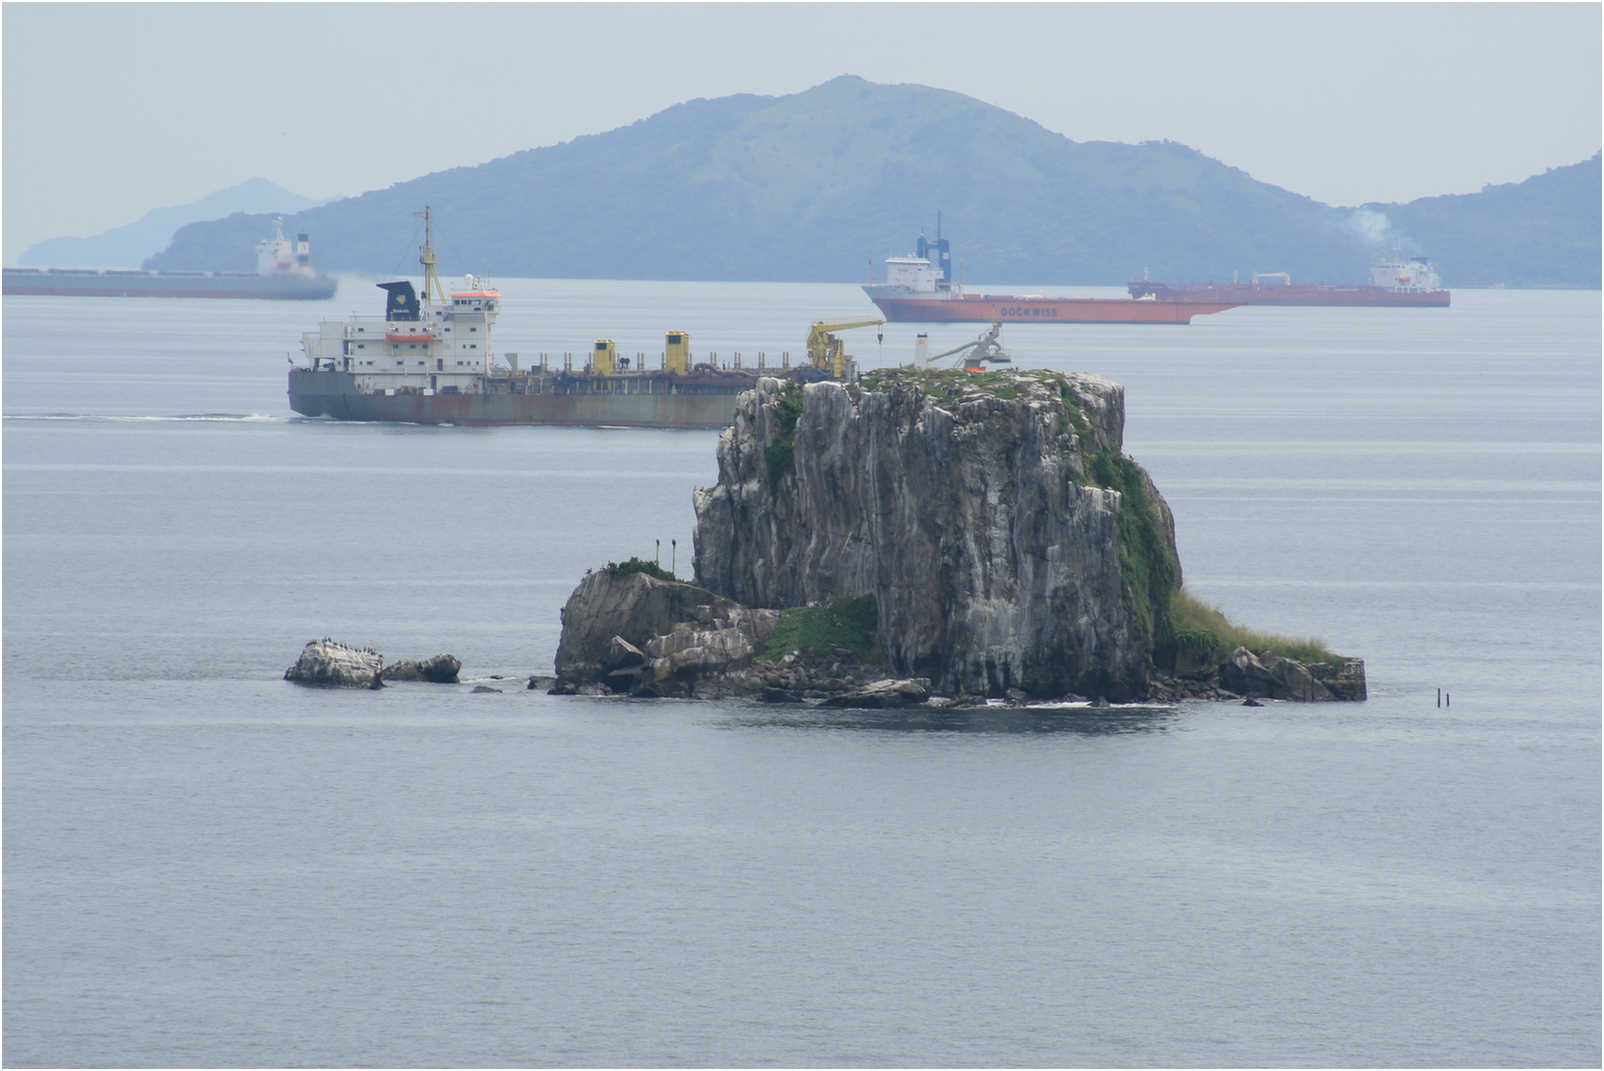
x=446 y=348
x=279 y=256
x=1411 y=275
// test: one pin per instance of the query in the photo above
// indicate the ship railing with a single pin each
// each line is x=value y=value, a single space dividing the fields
x=640 y=363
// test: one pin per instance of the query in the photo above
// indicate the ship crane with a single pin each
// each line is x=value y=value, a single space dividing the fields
x=972 y=356
x=824 y=349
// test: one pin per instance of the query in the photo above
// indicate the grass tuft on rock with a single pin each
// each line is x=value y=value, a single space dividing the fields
x=1207 y=634
x=850 y=622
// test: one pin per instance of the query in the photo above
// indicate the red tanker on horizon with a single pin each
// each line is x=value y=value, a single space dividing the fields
x=919 y=289
x=1398 y=283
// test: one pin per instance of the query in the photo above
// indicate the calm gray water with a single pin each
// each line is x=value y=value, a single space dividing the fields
x=204 y=865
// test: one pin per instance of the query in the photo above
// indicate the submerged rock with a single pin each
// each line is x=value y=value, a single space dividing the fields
x=883 y=694
x=330 y=664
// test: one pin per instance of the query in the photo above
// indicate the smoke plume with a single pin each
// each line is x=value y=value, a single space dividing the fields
x=1372 y=228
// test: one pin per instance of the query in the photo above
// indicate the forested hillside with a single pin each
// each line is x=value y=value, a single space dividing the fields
x=1543 y=232
x=816 y=185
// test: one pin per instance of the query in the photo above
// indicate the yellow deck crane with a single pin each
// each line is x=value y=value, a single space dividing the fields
x=824 y=349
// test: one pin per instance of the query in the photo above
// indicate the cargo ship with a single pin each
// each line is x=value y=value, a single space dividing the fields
x=1404 y=283
x=432 y=360
x=283 y=272
x=920 y=289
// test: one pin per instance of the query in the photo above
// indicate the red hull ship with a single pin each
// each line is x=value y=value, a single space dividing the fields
x=1398 y=283
x=919 y=289
x=989 y=308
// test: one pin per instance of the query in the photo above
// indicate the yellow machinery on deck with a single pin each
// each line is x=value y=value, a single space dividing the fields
x=677 y=352
x=824 y=349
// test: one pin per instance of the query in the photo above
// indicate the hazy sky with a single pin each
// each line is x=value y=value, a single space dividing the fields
x=113 y=109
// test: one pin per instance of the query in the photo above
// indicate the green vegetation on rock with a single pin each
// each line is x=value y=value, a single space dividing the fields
x=1206 y=635
x=850 y=622
x=1145 y=555
x=941 y=384
x=639 y=565
x=1071 y=407
x=779 y=456
x=945 y=385
x=1178 y=624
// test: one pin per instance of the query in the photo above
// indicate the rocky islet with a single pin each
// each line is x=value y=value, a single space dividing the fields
x=1009 y=547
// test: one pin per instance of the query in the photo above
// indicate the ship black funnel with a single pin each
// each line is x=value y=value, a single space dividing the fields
x=402 y=303
x=939 y=251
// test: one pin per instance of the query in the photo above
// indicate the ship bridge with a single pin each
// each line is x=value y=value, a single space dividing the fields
x=426 y=348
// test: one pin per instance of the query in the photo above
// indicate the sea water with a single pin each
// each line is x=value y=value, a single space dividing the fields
x=206 y=865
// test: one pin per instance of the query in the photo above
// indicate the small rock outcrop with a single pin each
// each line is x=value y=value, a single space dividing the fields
x=327 y=663
x=1269 y=676
x=441 y=669
x=1343 y=678
x=635 y=607
x=639 y=634
x=627 y=633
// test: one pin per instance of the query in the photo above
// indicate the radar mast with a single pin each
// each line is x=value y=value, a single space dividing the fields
x=426 y=257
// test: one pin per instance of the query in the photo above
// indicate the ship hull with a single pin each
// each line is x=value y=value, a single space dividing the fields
x=1313 y=295
x=988 y=308
x=335 y=395
x=86 y=283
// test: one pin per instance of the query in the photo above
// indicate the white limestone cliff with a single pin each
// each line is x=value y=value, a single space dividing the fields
x=970 y=507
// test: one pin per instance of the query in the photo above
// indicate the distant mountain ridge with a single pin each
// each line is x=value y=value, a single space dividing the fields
x=1543 y=232
x=811 y=186
x=132 y=244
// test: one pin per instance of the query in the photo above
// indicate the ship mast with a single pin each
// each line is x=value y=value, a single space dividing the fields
x=426 y=257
